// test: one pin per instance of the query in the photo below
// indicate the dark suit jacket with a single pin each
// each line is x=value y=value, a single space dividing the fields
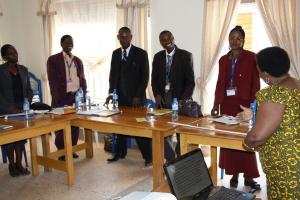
x=134 y=75
x=56 y=71
x=181 y=74
x=7 y=102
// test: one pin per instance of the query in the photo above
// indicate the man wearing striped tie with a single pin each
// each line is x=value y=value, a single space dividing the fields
x=129 y=75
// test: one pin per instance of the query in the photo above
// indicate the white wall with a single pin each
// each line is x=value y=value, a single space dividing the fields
x=184 y=20
x=21 y=27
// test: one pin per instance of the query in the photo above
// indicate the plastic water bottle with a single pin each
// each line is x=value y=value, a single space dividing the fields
x=78 y=100
x=175 y=110
x=26 y=107
x=81 y=94
x=115 y=100
x=253 y=108
x=88 y=100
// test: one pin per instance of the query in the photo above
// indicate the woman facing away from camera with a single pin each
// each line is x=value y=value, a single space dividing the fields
x=14 y=87
x=238 y=82
x=276 y=133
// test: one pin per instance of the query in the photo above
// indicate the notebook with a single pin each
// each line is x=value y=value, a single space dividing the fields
x=189 y=179
x=227 y=120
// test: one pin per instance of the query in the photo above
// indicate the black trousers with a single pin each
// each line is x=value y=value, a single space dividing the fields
x=144 y=144
x=59 y=137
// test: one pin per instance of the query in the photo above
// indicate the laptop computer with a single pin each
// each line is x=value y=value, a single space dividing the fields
x=189 y=179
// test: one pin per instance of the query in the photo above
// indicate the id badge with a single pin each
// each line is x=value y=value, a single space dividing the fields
x=231 y=91
x=167 y=87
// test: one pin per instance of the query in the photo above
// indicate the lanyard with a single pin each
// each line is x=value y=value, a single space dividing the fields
x=233 y=63
x=69 y=65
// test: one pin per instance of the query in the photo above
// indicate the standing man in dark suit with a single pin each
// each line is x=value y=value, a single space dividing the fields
x=129 y=75
x=66 y=76
x=172 y=77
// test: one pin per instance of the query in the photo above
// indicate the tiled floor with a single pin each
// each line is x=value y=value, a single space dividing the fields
x=94 y=179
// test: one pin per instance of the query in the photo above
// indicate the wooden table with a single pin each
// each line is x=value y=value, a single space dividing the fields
x=42 y=125
x=126 y=124
x=215 y=135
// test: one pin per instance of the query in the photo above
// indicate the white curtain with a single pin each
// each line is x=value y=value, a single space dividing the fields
x=282 y=25
x=92 y=24
x=218 y=16
x=46 y=12
x=134 y=14
x=1 y=13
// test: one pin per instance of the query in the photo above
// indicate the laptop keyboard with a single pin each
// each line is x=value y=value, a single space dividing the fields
x=228 y=194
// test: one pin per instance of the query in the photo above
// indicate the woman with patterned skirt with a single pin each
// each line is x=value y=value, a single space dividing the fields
x=276 y=134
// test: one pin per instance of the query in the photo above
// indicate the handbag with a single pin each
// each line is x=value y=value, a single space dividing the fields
x=189 y=108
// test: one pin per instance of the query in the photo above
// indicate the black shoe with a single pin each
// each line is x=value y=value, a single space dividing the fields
x=254 y=185
x=61 y=158
x=13 y=171
x=113 y=159
x=75 y=155
x=122 y=156
x=23 y=171
x=148 y=163
x=234 y=182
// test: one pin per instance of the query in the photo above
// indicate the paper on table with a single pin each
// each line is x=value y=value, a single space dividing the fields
x=158 y=112
x=17 y=115
x=141 y=119
x=227 y=120
x=99 y=113
x=62 y=110
x=4 y=127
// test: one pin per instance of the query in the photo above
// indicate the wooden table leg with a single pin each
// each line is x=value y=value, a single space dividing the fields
x=69 y=155
x=183 y=144
x=213 y=165
x=89 y=142
x=46 y=149
x=33 y=153
x=158 y=158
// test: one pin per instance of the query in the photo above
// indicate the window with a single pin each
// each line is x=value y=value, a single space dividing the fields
x=92 y=24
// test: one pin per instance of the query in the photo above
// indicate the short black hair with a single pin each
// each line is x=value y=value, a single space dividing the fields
x=165 y=32
x=124 y=29
x=63 y=38
x=238 y=29
x=4 y=49
x=273 y=60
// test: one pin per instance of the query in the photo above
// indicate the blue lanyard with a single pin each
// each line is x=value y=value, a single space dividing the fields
x=233 y=63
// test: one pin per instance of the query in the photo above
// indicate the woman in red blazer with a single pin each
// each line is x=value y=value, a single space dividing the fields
x=237 y=84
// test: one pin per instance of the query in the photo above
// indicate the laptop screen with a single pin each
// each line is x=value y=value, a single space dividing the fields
x=188 y=175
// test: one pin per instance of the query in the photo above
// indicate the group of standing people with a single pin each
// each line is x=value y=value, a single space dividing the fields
x=129 y=76
x=172 y=76
x=275 y=134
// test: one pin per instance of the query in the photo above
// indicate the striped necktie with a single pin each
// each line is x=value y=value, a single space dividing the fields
x=124 y=57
